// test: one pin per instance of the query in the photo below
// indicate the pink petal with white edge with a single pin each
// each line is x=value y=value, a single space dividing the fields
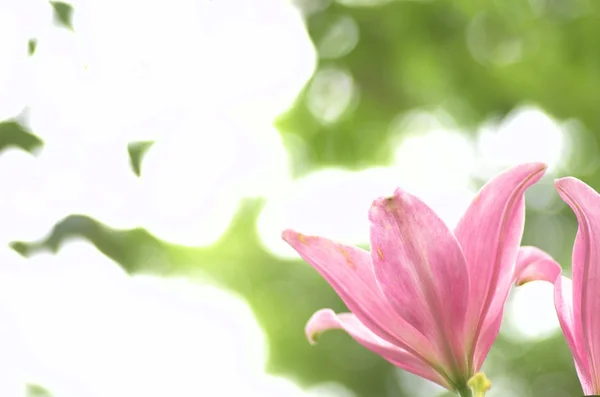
x=350 y=272
x=563 y=301
x=490 y=234
x=532 y=264
x=325 y=319
x=585 y=203
x=422 y=271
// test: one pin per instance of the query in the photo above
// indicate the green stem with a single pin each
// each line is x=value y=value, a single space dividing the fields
x=465 y=392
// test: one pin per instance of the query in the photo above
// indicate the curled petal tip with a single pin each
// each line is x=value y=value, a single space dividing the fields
x=287 y=235
x=543 y=271
x=560 y=181
x=539 y=165
x=323 y=320
x=292 y=237
x=565 y=182
x=575 y=192
x=313 y=338
x=534 y=264
x=534 y=168
x=296 y=239
x=540 y=168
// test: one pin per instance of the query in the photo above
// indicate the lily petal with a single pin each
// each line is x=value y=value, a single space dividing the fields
x=532 y=264
x=585 y=203
x=563 y=302
x=421 y=271
x=325 y=319
x=490 y=234
x=489 y=333
x=350 y=272
x=535 y=264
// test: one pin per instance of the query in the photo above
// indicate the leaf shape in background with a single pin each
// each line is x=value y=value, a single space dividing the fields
x=34 y=390
x=31 y=46
x=13 y=133
x=63 y=14
x=137 y=150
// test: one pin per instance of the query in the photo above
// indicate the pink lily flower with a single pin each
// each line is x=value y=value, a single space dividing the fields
x=427 y=299
x=577 y=302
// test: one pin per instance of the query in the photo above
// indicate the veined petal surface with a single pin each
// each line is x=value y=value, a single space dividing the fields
x=585 y=203
x=532 y=264
x=325 y=319
x=490 y=234
x=421 y=271
x=350 y=272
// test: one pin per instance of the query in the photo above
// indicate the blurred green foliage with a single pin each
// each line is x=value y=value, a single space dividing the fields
x=449 y=54
x=63 y=13
x=136 y=154
x=37 y=391
x=31 y=46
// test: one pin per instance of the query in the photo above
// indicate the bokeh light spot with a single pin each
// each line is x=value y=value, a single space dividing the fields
x=435 y=163
x=188 y=182
x=340 y=39
x=561 y=9
x=490 y=40
x=89 y=329
x=330 y=94
x=331 y=202
x=530 y=313
x=527 y=134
